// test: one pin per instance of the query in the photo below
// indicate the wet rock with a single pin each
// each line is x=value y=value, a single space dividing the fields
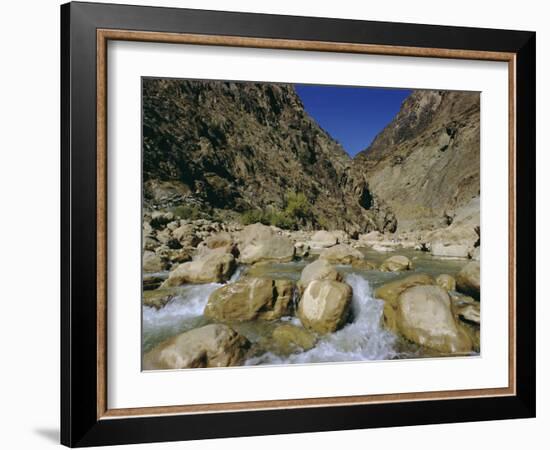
x=158 y=298
x=151 y=281
x=214 y=345
x=289 y=339
x=397 y=263
x=212 y=268
x=424 y=316
x=250 y=299
x=390 y=292
x=363 y=264
x=341 y=254
x=324 y=306
x=319 y=269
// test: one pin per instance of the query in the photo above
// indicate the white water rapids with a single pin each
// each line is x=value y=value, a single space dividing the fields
x=362 y=339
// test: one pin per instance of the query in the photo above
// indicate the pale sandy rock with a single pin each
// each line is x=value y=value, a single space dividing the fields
x=341 y=254
x=250 y=299
x=424 y=316
x=468 y=279
x=214 y=345
x=397 y=263
x=324 y=306
x=319 y=269
x=212 y=268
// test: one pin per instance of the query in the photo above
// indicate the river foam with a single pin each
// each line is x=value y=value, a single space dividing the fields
x=362 y=340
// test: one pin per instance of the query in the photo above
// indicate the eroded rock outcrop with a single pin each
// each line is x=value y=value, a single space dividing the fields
x=425 y=164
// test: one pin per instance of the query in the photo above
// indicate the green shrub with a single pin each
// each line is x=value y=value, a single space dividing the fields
x=188 y=212
x=297 y=205
x=296 y=211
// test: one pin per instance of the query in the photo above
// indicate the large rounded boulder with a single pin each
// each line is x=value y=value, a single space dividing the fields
x=424 y=316
x=260 y=243
x=390 y=292
x=324 y=306
x=319 y=269
x=250 y=299
x=341 y=254
x=214 y=267
x=397 y=263
x=214 y=345
x=323 y=239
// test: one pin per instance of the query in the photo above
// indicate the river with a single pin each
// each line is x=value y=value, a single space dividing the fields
x=364 y=338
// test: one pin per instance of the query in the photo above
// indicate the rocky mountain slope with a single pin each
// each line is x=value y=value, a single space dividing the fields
x=425 y=164
x=239 y=147
x=245 y=146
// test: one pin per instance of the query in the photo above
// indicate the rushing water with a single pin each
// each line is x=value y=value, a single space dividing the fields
x=364 y=338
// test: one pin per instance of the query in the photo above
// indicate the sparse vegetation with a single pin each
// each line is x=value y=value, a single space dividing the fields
x=188 y=212
x=297 y=212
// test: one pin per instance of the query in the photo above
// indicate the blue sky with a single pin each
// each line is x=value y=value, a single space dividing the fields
x=352 y=115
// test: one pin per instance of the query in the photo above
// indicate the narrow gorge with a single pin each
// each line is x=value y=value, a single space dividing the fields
x=265 y=242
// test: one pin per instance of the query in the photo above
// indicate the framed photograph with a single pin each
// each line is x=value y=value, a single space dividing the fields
x=277 y=224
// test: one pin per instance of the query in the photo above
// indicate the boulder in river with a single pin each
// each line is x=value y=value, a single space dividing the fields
x=424 y=316
x=260 y=243
x=250 y=299
x=319 y=269
x=389 y=292
x=324 y=306
x=341 y=254
x=397 y=263
x=214 y=345
x=215 y=267
x=289 y=338
x=468 y=280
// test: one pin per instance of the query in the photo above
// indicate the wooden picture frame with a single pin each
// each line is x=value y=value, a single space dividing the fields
x=85 y=416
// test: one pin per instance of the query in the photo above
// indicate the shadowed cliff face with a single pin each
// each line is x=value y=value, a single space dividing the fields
x=242 y=146
x=425 y=164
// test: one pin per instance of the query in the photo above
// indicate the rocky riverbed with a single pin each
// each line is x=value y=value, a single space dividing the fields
x=222 y=294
